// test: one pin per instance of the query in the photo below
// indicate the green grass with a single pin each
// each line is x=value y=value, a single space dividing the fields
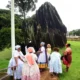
x=74 y=71
x=5 y=55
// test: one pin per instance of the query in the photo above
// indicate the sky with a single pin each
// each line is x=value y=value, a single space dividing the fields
x=68 y=10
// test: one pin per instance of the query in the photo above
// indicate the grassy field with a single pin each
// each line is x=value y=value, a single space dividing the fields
x=5 y=55
x=74 y=71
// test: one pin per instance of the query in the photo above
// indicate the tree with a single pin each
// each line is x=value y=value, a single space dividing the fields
x=75 y=32
x=5 y=37
x=5 y=19
x=53 y=30
x=24 y=7
x=5 y=29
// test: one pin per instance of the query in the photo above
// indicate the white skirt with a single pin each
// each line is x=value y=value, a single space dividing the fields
x=16 y=73
x=55 y=66
x=30 y=72
x=42 y=58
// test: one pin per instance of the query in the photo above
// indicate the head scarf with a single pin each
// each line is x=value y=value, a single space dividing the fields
x=30 y=50
x=17 y=47
x=42 y=43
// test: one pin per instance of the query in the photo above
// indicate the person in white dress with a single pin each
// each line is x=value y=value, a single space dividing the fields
x=16 y=63
x=55 y=65
x=42 y=57
x=30 y=70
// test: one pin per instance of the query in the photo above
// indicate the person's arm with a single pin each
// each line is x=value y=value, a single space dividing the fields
x=42 y=50
x=16 y=58
x=21 y=58
x=16 y=61
x=26 y=50
x=35 y=57
x=39 y=51
x=65 y=52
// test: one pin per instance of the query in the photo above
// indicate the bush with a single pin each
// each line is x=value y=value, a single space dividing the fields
x=5 y=37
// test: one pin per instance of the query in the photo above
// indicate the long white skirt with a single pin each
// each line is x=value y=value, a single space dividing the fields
x=30 y=72
x=16 y=73
x=55 y=66
x=42 y=58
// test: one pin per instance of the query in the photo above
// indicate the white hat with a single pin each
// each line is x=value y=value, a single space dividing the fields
x=17 y=47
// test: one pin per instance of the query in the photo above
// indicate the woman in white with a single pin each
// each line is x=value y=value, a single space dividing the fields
x=55 y=62
x=42 y=58
x=15 y=64
x=30 y=70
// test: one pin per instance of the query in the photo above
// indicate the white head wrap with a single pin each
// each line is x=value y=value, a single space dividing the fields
x=42 y=43
x=17 y=47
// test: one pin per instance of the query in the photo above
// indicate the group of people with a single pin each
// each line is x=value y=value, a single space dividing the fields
x=29 y=66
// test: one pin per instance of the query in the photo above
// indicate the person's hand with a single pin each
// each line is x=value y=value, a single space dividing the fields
x=13 y=68
x=39 y=52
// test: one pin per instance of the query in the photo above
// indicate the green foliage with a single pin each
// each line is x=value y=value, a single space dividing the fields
x=24 y=6
x=75 y=32
x=5 y=40
x=5 y=37
x=31 y=20
x=30 y=34
x=5 y=28
x=19 y=36
x=18 y=21
x=5 y=19
x=5 y=56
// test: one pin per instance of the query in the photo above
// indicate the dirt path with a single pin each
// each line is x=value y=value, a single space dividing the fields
x=46 y=76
